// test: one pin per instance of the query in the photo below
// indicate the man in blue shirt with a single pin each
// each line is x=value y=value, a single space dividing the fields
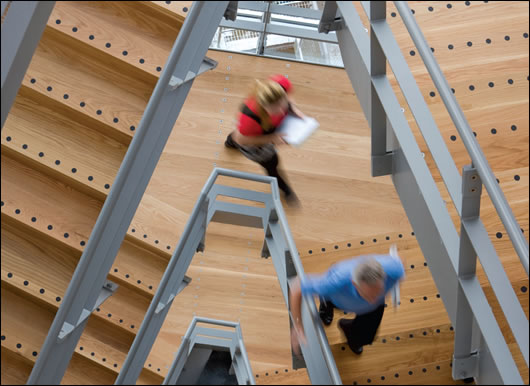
x=356 y=285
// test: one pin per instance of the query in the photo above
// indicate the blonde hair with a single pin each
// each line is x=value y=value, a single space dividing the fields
x=369 y=272
x=267 y=93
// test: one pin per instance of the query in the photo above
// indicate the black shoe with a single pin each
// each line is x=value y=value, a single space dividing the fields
x=326 y=313
x=357 y=350
x=292 y=200
x=229 y=143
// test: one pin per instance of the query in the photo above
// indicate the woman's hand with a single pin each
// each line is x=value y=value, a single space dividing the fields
x=278 y=139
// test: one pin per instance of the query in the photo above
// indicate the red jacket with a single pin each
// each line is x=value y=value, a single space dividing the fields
x=247 y=123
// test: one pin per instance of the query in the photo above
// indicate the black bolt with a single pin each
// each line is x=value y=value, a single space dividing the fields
x=525 y=35
x=488 y=41
x=410 y=373
x=33 y=80
x=58 y=299
x=450 y=46
x=491 y=84
x=98 y=112
x=168 y=247
x=516 y=177
x=185 y=9
x=50 y=227
x=124 y=53
x=91 y=37
x=65 y=96
x=451 y=328
x=115 y=120
x=145 y=236
x=432 y=49
x=453 y=138
x=150 y=287
x=41 y=154
x=425 y=298
x=469 y=44
x=362 y=242
x=493 y=131
x=26 y=283
x=323 y=249
x=349 y=245
x=142 y=61
x=90 y=178
x=57 y=162
x=33 y=219
x=413 y=11
x=453 y=90
x=382 y=377
x=400 y=236
x=412 y=300
x=499 y=235
x=387 y=237
x=412 y=266
x=384 y=341
x=49 y=88
x=127 y=275
x=109 y=315
x=524 y=289
x=437 y=330
x=139 y=281
x=74 y=29
x=159 y=68
x=514 y=127
x=10 y=275
x=471 y=87
x=107 y=186
x=438 y=296
x=468 y=3
x=449 y=6
x=396 y=375
x=412 y=53
x=121 y=320
x=437 y=367
x=424 y=370
x=92 y=353
x=393 y=14
x=82 y=104
x=424 y=333
x=336 y=247
x=156 y=241
x=506 y=38
x=74 y=170
x=432 y=93
x=431 y=9
x=107 y=45
x=133 y=230
x=57 y=21
x=66 y=235
x=475 y=133
x=411 y=336
x=132 y=128
x=82 y=243
x=17 y=211
x=425 y=264
x=19 y=345
x=398 y=338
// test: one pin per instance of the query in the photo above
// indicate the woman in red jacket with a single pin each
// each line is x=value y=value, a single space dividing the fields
x=258 y=119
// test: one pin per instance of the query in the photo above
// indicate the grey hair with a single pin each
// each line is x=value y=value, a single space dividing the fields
x=369 y=272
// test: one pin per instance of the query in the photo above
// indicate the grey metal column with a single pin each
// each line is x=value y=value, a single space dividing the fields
x=464 y=359
x=164 y=106
x=21 y=32
x=381 y=159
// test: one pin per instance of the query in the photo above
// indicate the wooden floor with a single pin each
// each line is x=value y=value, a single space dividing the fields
x=78 y=109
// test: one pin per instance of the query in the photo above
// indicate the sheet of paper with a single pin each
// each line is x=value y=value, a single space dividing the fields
x=297 y=130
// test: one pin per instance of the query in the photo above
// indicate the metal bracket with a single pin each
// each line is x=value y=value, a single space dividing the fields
x=206 y=65
x=108 y=290
x=231 y=11
x=330 y=21
x=465 y=367
x=382 y=164
x=471 y=191
x=183 y=284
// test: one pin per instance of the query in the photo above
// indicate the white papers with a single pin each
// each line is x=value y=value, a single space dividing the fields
x=297 y=130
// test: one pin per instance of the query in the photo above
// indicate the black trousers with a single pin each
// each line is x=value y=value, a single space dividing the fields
x=363 y=329
x=270 y=163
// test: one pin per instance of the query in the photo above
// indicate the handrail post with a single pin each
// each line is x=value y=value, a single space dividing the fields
x=464 y=357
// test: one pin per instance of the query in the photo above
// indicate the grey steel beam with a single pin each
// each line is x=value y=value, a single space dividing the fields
x=464 y=358
x=263 y=35
x=281 y=9
x=380 y=157
x=436 y=233
x=296 y=32
x=477 y=156
x=22 y=29
x=474 y=228
x=131 y=181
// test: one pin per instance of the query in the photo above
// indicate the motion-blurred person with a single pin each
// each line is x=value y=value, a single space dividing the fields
x=260 y=115
x=356 y=285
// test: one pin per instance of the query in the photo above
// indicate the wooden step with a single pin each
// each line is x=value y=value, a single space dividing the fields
x=76 y=73
x=135 y=31
x=56 y=141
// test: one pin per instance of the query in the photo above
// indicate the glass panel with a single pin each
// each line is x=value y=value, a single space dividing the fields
x=235 y=40
x=306 y=50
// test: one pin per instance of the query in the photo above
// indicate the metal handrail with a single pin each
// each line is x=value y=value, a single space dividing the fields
x=473 y=148
x=282 y=219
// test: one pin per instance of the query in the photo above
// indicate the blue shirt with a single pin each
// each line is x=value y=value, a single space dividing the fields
x=336 y=284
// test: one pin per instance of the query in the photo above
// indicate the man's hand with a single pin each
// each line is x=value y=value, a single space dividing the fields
x=297 y=338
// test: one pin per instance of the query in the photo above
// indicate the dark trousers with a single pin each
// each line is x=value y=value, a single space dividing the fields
x=363 y=329
x=269 y=163
x=271 y=166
